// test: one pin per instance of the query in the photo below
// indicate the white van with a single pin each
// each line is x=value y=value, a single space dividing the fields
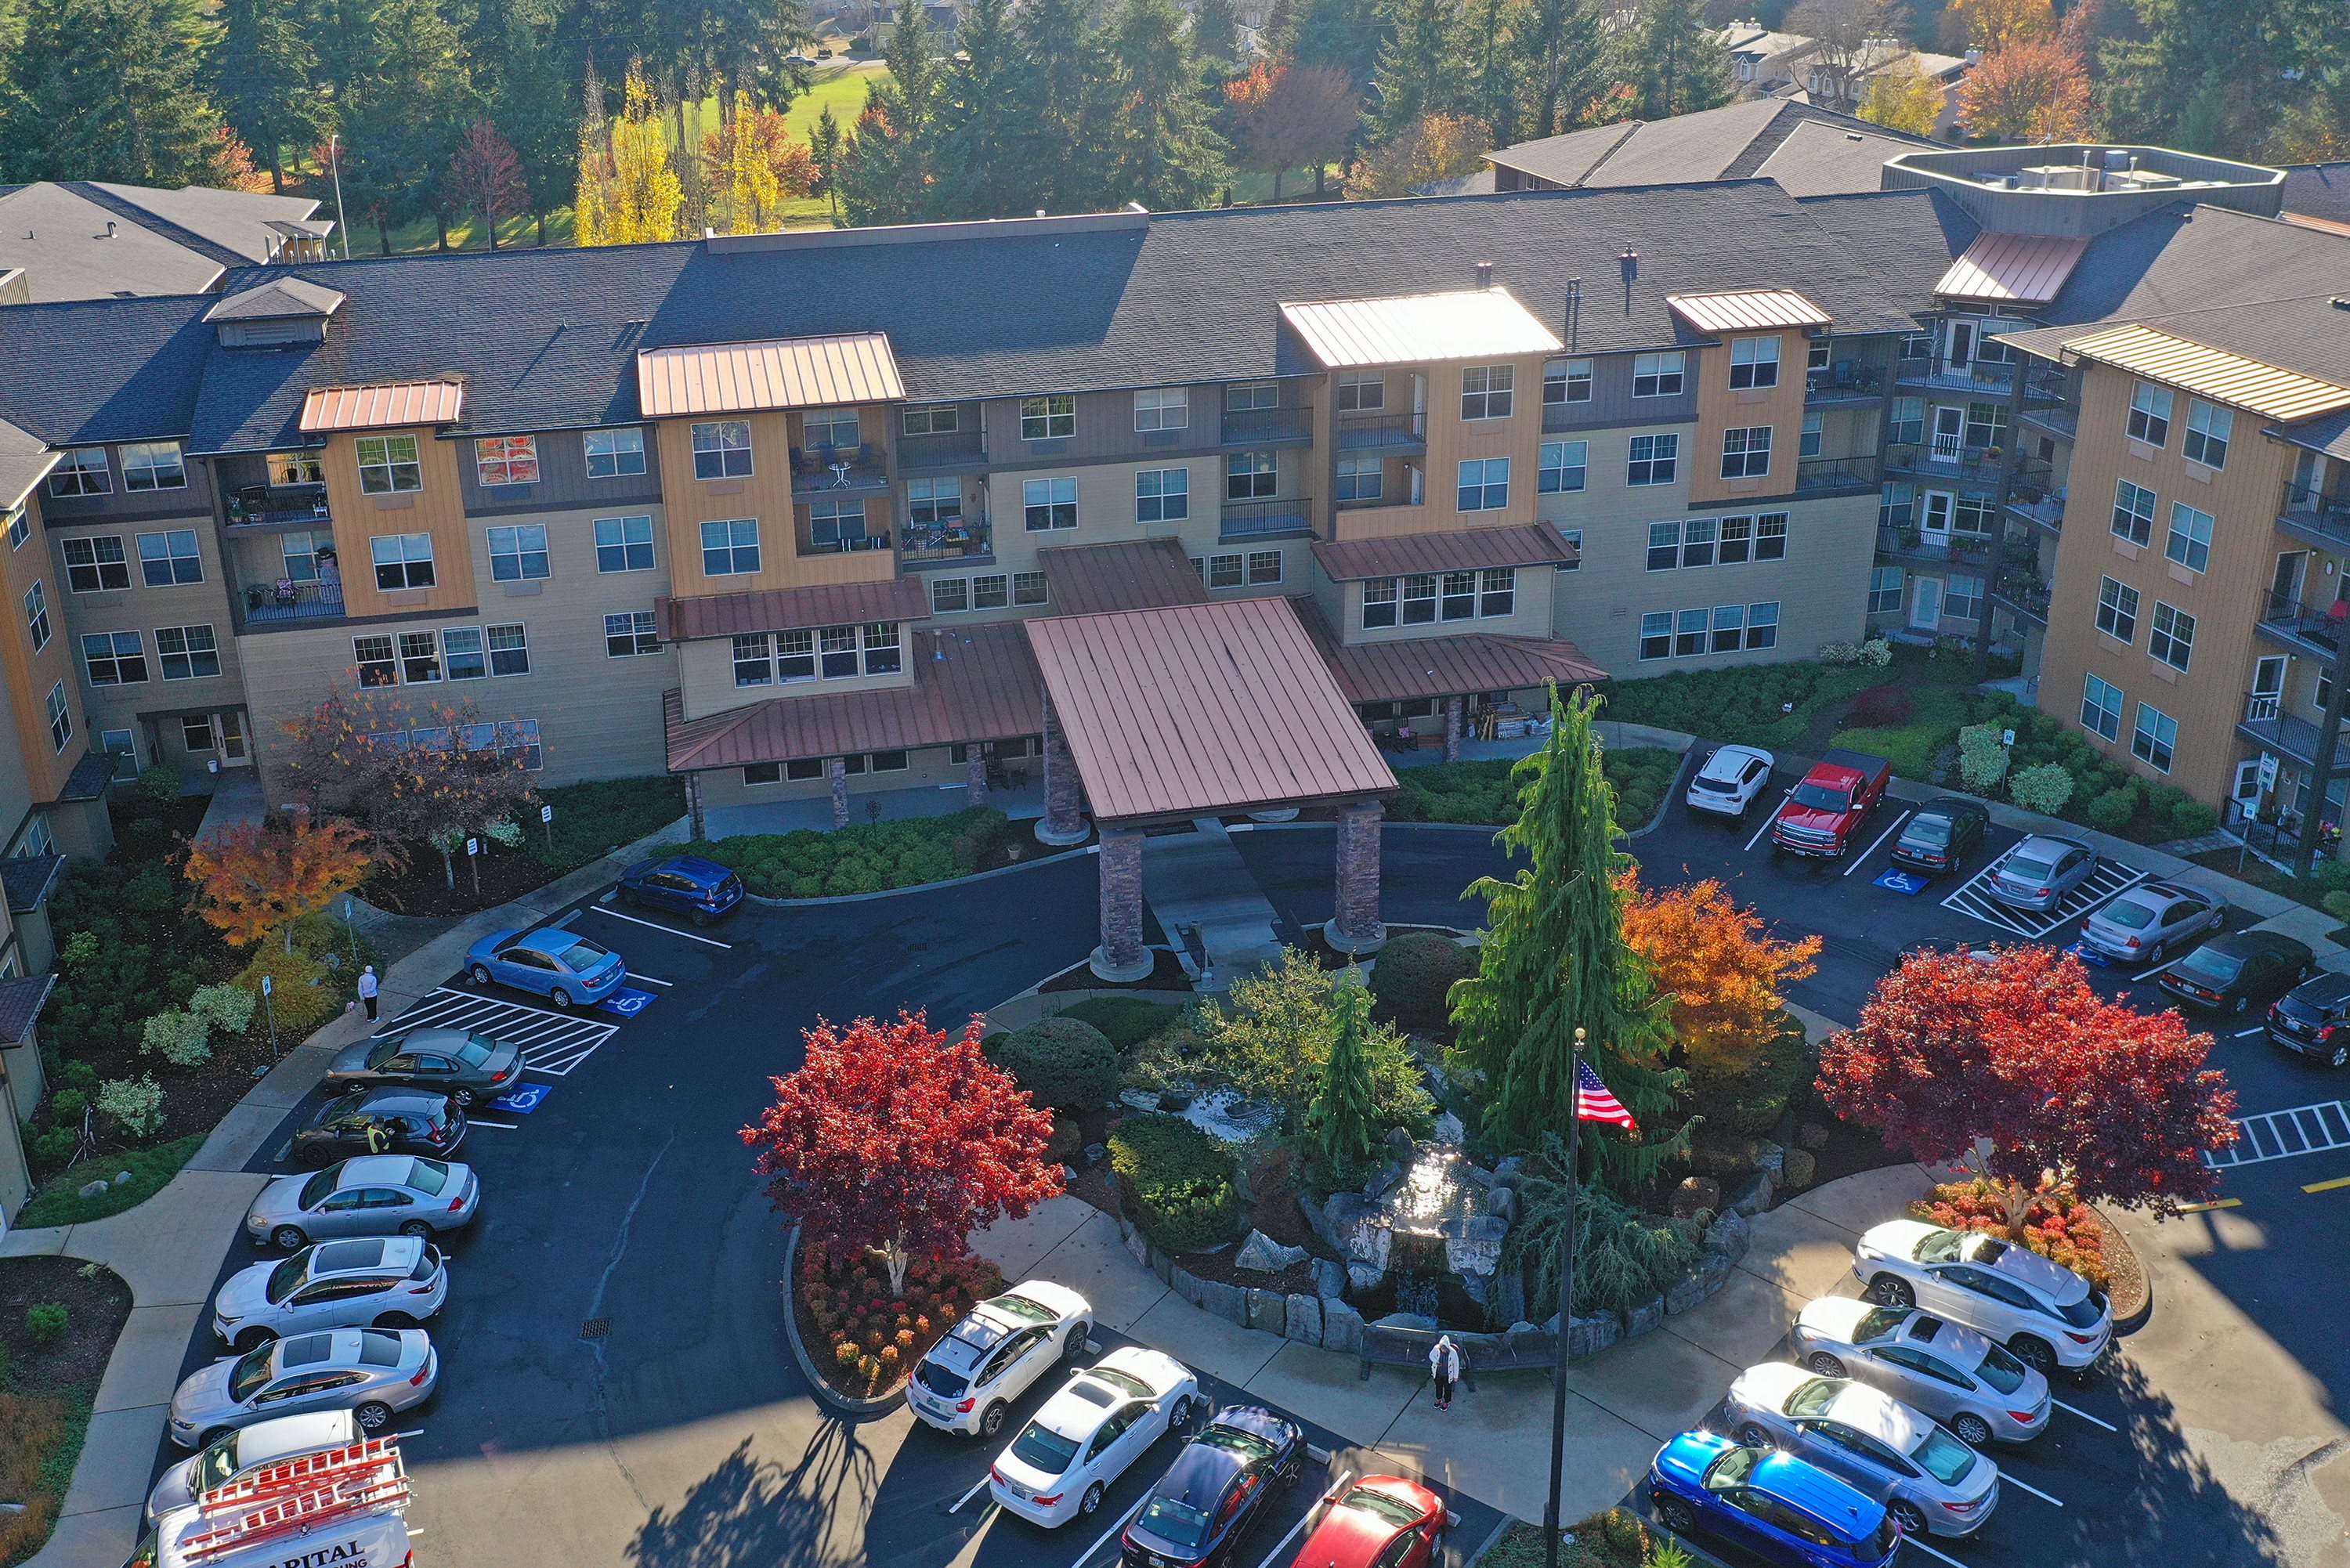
x=346 y=1506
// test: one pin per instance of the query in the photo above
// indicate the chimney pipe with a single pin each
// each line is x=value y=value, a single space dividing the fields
x=109 y=228
x=1484 y=274
x=1574 y=311
x=1630 y=262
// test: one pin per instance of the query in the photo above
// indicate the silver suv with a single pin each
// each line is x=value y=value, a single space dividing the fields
x=2047 y=1314
x=1952 y=1374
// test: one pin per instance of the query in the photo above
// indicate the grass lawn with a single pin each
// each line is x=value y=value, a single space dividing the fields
x=59 y=1201
x=1936 y=714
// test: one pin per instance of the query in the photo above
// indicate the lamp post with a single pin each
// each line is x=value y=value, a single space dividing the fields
x=1551 y=1522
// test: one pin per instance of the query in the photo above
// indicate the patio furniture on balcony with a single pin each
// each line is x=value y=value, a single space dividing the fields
x=287 y=600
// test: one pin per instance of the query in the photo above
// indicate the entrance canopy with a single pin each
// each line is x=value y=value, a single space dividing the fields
x=1193 y=709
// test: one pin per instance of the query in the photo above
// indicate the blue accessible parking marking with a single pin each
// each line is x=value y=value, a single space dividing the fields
x=523 y=1098
x=626 y=1002
x=1901 y=881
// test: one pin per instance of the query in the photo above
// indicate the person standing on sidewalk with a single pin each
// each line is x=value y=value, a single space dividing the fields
x=369 y=987
x=1444 y=1365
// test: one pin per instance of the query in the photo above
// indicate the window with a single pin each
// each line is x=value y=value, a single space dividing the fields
x=460 y=653
x=1485 y=484
x=1564 y=465
x=1884 y=590
x=1566 y=382
x=1688 y=633
x=60 y=717
x=1656 y=634
x=196 y=733
x=1763 y=625
x=81 y=470
x=1227 y=571
x=1048 y=504
x=1249 y=477
x=388 y=466
x=624 y=544
x=401 y=561
x=1962 y=596
x=1815 y=357
x=1420 y=598
x=187 y=652
x=297 y=468
x=934 y=504
x=836 y=648
x=506 y=460
x=949 y=595
x=834 y=428
x=753 y=663
x=2208 y=429
x=169 y=558
x=1168 y=408
x=1486 y=392
x=1361 y=478
x=1897 y=507
x=1697 y=542
x=2117 y=610
x=884 y=654
x=1653 y=460
x=1771 y=536
x=931 y=418
x=1242 y=397
x=95 y=564
x=2154 y=737
x=114 y=658
x=1360 y=392
x=629 y=633
x=419 y=658
x=2149 y=419
x=2189 y=540
x=795 y=655
x=838 y=526
x=614 y=453
x=154 y=465
x=730 y=548
x=123 y=747
x=518 y=553
x=1808 y=443
x=1657 y=375
x=509 y=651
x=1497 y=592
x=1909 y=421
x=1664 y=546
x=1746 y=452
x=2101 y=708
x=1049 y=418
x=1729 y=623
x=1379 y=603
x=1986 y=425
x=1736 y=540
x=763 y=772
x=1162 y=494
x=1456 y=600
x=300 y=550
x=2171 y=637
x=991 y=592
x=722 y=449
x=20 y=525
x=2133 y=512
x=1753 y=362
x=374 y=658
x=1032 y=588
x=519 y=738
x=37 y=615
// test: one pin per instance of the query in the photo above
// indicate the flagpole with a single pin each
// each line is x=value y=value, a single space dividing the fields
x=1551 y=1522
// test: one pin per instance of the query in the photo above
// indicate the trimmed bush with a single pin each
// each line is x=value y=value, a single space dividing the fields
x=1982 y=757
x=44 y=1322
x=1128 y=1020
x=224 y=1007
x=2044 y=788
x=868 y=857
x=182 y=1039
x=1062 y=1063
x=2114 y=809
x=2193 y=818
x=1177 y=1182
x=1485 y=791
x=135 y=1104
x=1414 y=971
x=301 y=999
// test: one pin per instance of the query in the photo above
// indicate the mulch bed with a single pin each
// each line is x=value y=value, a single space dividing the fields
x=2128 y=1292
x=841 y=1379
x=1166 y=974
x=1850 y=1150
x=421 y=888
x=95 y=1308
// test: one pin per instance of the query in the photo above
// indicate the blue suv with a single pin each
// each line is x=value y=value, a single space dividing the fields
x=1773 y=1504
x=700 y=889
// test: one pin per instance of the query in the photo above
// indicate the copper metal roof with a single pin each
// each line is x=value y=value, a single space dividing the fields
x=1460 y=550
x=788 y=610
x=1202 y=708
x=974 y=683
x=781 y=373
x=1443 y=666
x=2211 y=373
x=382 y=407
x=1475 y=323
x=2026 y=269
x=1747 y=310
x=1138 y=574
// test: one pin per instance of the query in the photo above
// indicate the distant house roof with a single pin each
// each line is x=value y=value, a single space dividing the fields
x=86 y=240
x=2216 y=374
x=382 y=407
x=1458 y=550
x=2012 y=269
x=1474 y=324
x=1094 y=579
x=1746 y=311
x=793 y=610
x=1735 y=142
x=782 y=373
x=277 y=299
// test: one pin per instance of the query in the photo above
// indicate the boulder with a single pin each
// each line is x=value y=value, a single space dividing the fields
x=121 y=1179
x=1342 y=1328
x=1365 y=1276
x=1509 y=1294
x=1268 y=1310
x=1318 y=1217
x=1261 y=1254
x=1527 y=1343
x=1329 y=1280
x=1728 y=1234
x=1703 y=1278
x=1588 y=1336
x=1162 y=1265
x=1399 y=1144
x=1798 y=1170
x=1694 y=1193
x=1645 y=1318
x=92 y=1188
x=1752 y=1196
x=1096 y=1153
x=1502 y=1204
x=1303 y=1319
x=1506 y=1170
x=1771 y=1157
x=1227 y=1302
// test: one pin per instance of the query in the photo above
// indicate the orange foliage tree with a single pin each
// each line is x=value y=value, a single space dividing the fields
x=2035 y=89
x=254 y=879
x=1722 y=971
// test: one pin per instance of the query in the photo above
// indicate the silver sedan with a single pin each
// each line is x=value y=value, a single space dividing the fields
x=373 y=1373
x=2037 y=873
x=1952 y=1374
x=1931 y=1482
x=372 y=1195
x=2151 y=921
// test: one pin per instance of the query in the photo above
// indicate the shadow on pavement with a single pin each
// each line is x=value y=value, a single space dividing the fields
x=753 y=1513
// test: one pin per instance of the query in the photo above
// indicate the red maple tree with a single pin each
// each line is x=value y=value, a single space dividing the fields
x=2013 y=1064
x=900 y=1139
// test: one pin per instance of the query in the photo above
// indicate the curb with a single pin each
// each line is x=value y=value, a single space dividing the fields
x=833 y=1399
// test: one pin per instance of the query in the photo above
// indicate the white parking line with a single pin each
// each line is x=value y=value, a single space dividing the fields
x=551 y=1043
x=1088 y=1554
x=2108 y=880
x=2073 y=1410
x=2142 y=979
x=656 y=925
x=508 y=1126
x=1279 y=1546
x=2282 y=1135
x=977 y=1486
x=648 y=979
x=2248 y=1033
x=1932 y=1551
x=2007 y=1479
x=1893 y=829
x=1766 y=825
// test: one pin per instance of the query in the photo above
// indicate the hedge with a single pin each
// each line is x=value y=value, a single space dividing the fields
x=1742 y=705
x=591 y=820
x=1413 y=973
x=1064 y=1063
x=1484 y=793
x=1128 y=1020
x=1177 y=1182
x=867 y=857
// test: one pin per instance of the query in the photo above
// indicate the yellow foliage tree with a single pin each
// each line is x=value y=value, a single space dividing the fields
x=1722 y=971
x=1902 y=98
x=592 y=218
x=1995 y=24
x=754 y=164
x=1433 y=146
x=629 y=192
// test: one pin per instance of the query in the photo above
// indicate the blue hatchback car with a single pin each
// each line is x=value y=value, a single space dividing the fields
x=700 y=889
x=1773 y=1504
x=562 y=966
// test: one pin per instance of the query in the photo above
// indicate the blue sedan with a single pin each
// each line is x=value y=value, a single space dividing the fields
x=1774 y=1504
x=700 y=889
x=562 y=966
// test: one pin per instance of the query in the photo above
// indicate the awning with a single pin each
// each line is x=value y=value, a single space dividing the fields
x=1475 y=323
x=1142 y=573
x=27 y=879
x=1405 y=668
x=790 y=609
x=1460 y=550
x=1747 y=310
x=779 y=373
x=382 y=407
x=2018 y=269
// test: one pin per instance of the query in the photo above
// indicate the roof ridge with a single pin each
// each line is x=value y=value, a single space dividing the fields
x=147 y=218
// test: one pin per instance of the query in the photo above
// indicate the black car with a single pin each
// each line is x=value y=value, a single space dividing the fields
x=1214 y=1491
x=1940 y=836
x=381 y=1121
x=2314 y=1019
x=2238 y=972
x=453 y=1061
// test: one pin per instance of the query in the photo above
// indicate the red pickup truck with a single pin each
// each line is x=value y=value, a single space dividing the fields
x=1824 y=812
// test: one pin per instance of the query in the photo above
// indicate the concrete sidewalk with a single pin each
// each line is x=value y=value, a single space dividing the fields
x=168 y=1249
x=1494 y=1443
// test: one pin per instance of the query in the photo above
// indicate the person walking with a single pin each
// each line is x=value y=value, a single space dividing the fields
x=369 y=987
x=1444 y=1365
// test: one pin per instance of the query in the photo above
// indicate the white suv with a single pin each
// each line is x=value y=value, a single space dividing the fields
x=967 y=1381
x=1730 y=780
x=372 y=1281
x=2047 y=1314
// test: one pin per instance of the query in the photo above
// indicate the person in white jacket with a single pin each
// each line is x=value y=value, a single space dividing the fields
x=1444 y=1365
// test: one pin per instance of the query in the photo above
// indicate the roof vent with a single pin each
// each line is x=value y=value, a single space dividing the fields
x=2340 y=302
x=1852 y=136
x=1630 y=262
x=1484 y=274
x=109 y=228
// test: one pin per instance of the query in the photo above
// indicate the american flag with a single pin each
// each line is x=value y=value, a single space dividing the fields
x=1593 y=1103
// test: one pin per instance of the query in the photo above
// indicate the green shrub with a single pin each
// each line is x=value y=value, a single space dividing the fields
x=158 y=789
x=2192 y=819
x=2336 y=904
x=1753 y=1102
x=1062 y=1062
x=1749 y=704
x=868 y=858
x=2044 y=788
x=135 y=1104
x=224 y=1007
x=1485 y=791
x=1126 y=1020
x=77 y=1075
x=55 y=1147
x=1177 y=1182
x=182 y=1039
x=1982 y=757
x=44 y=1322
x=1413 y=973
x=2114 y=810
x=1622 y=1256
x=593 y=819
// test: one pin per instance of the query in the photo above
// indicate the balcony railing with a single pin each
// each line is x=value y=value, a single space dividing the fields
x=2310 y=512
x=1914 y=543
x=261 y=505
x=2061 y=418
x=286 y=600
x=2306 y=625
x=950 y=540
x=837 y=468
x=954 y=448
x=1242 y=426
x=1835 y=473
x=2022 y=591
x=1974 y=376
x=2266 y=722
x=1943 y=458
x=1248 y=519
x=1845 y=381
x=1380 y=433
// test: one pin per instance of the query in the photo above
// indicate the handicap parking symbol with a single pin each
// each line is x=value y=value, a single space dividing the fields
x=1901 y=881
x=626 y=1002
x=522 y=1099
x=2088 y=954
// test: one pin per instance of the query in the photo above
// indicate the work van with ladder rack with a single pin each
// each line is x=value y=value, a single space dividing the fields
x=343 y=1507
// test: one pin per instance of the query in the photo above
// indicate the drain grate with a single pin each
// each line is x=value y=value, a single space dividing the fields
x=596 y=1328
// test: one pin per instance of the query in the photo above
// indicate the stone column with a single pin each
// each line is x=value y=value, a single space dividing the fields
x=1121 y=959
x=975 y=773
x=1063 y=821
x=693 y=819
x=837 y=770
x=1356 y=929
x=1452 y=706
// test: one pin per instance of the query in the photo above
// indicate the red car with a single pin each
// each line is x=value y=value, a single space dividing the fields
x=1381 y=1520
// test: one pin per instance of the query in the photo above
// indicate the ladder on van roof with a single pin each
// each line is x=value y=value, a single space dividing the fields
x=297 y=1494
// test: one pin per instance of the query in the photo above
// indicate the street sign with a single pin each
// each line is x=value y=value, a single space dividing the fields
x=546 y=813
x=2007 y=737
x=473 y=847
x=268 y=983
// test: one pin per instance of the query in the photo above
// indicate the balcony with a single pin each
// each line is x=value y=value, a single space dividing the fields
x=264 y=506
x=1261 y=519
x=956 y=449
x=1845 y=381
x=2304 y=628
x=2310 y=513
x=1382 y=432
x=947 y=539
x=1910 y=544
x=1936 y=372
x=2023 y=592
x=2266 y=724
x=1816 y=475
x=1259 y=427
x=1946 y=459
x=285 y=601
x=829 y=469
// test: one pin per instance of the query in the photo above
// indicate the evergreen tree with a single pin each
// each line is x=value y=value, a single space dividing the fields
x=1421 y=70
x=1568 y=61
x=261 y=73
x=1162 y=151
x=1680 y=64
x=1216 y=36
x=1060 y=107
x=1342 y=32
x=1556 y=961
x=824 y=150
x=108 y=89
x=1490 y=50
x=534 y=107
x=1340 y=1120
x=979 y=114
x=889 y=169
x=2212 y=75
x=408 y=105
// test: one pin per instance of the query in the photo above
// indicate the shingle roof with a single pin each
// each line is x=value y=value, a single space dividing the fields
x=230 y=225
x=21 y=1001
x=2319 y=189
x=1735 y=142
x=91 y=370
x=1819 y=158
x=277 y=299
x=793 y=610
x=27 y=878
x=24 y=460
x=57 y=233
x=1906 y=240
x=1092 y=579
x=1459 y=550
